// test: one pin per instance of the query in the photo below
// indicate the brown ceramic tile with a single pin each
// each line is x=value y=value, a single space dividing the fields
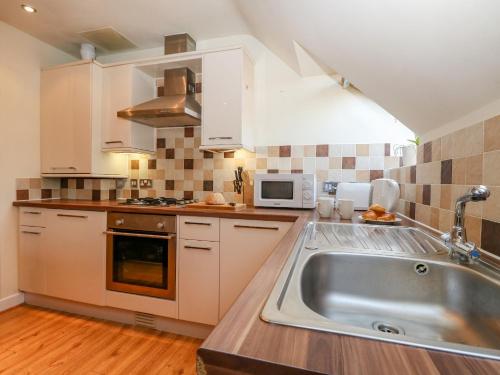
x=160 y=143
x=490 y=240
x=376 y=174
x=134 y=194
x=208 y=155
x=229 y=155
x=446 y=171
x=46 y=193
x=112 y=195
x=413 y=174
x=160 y=91
x=134 y=164
x=169 y=184
x=188 y=132
x=169 y=153
x=297 y=171
x=273 y=171
x=426 y=195
x=152 y=164
x=96 y=195
x=285 y=151
x=321 y=150
x=427 y=152
x=458 y=175
x=188 y=195
x=474 y=170
x=492 y=134
x=22 y=195
x=412 y=210
x=188 y=163
x=208 y=186
x=348 y=162
x=64 y=183
x=197 y=87
x=80 y=183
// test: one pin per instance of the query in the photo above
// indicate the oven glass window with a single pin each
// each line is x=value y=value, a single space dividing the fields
x=277 y=189
x=140 y=261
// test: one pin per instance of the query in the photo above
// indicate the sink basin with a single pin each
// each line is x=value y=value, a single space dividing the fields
x=411 y=296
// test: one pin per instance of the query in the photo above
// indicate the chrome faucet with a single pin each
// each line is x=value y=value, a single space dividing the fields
x=456 y=240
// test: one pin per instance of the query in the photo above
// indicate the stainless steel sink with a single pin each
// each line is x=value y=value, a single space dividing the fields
x=393 y=284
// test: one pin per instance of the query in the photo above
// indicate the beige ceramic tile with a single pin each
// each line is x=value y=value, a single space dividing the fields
x=418 y=198
x=435 y=217
x=429 y=173
x=445 y=199
x=435 y=196
x=411 y=192
x=362 y=176
x=335 y=163
x=273 y=151
x=423 y=214
x=473 y=208
x=420 y=154
x=35 y=183
x=436 y=150
x=362 y=150
x=310 y=151
x=22 y=183
x=492 y=134
x=447 y=147
x=473 y=228
x=468 y=141
x=491 y=209
x=445 y=220
x=491 y=168
x=458 y=174
x=296 y=163
x=474 y=170
x=261 y=163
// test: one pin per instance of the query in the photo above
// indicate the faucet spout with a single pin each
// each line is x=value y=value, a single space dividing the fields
x=456 y=240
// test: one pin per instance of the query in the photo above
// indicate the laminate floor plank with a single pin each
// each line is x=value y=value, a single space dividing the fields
x=40 y=341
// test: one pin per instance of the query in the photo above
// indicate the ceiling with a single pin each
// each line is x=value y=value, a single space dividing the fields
x=426 y=62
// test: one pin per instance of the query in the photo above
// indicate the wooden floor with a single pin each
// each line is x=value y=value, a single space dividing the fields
x=39 y=341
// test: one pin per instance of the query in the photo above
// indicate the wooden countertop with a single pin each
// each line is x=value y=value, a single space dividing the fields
x=288 y=215
x=243 y=343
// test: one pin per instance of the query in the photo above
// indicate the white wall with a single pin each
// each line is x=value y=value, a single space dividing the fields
x=21 y=58
x=302 y=110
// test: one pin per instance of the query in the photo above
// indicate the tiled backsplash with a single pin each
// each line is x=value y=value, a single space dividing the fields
x=181 y=170
x=446 y=168
x=37 y=188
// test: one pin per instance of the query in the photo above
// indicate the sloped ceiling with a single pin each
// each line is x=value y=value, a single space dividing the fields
x=427 y=62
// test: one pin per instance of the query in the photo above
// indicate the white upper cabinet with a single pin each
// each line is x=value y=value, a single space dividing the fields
x=227 y=101
x=124 y=86
x=70 y=123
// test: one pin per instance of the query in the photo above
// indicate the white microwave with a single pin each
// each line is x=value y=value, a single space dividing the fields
x=285 y=190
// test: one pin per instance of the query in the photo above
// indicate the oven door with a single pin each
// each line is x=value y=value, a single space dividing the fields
x=141 y=263
x=278 y=190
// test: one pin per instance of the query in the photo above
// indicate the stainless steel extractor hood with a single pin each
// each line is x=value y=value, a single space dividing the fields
x=177 y=106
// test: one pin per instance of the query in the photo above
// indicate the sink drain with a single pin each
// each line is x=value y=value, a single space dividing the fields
x=421 y=268
x=388 y=328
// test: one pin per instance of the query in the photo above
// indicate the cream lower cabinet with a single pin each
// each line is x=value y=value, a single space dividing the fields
x=244 y=247
x=32 y=247
x=199 y=281
x=74 y=255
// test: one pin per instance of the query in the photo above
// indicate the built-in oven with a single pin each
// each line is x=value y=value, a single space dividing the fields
x=140 y=256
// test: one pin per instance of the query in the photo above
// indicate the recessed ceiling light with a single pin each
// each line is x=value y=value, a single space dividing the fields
x=28 y=8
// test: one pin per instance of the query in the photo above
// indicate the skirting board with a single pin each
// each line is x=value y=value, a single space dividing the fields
x=11 y=301
x=175 y=326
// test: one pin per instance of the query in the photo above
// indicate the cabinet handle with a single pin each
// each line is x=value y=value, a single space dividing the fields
x=139 y=235
x=28 y=232
x=32 y=212
x=197 y=247
x=74 y=168
x=214 y=138
x=196 y=223
x=77 y=216
x=255 y=227
x=111 y=142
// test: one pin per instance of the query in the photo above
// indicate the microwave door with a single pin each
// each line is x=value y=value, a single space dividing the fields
x=281 y=193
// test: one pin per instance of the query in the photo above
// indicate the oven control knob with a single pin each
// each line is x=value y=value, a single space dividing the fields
x=119 y=221
x=160 y=225
x=307 y=195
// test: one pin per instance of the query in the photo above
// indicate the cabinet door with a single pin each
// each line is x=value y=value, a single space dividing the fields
x=32 y=247
x=76 y=255
x=124 y=86
x=65 y=119
x=199 y=281
x=244 y=246
x=222 y=98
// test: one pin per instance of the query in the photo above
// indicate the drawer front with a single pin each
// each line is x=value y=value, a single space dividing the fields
x=199 y=228
x=32 y=216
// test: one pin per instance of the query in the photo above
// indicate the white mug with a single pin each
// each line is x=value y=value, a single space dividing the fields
x=346 y=208
x=325 y=206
